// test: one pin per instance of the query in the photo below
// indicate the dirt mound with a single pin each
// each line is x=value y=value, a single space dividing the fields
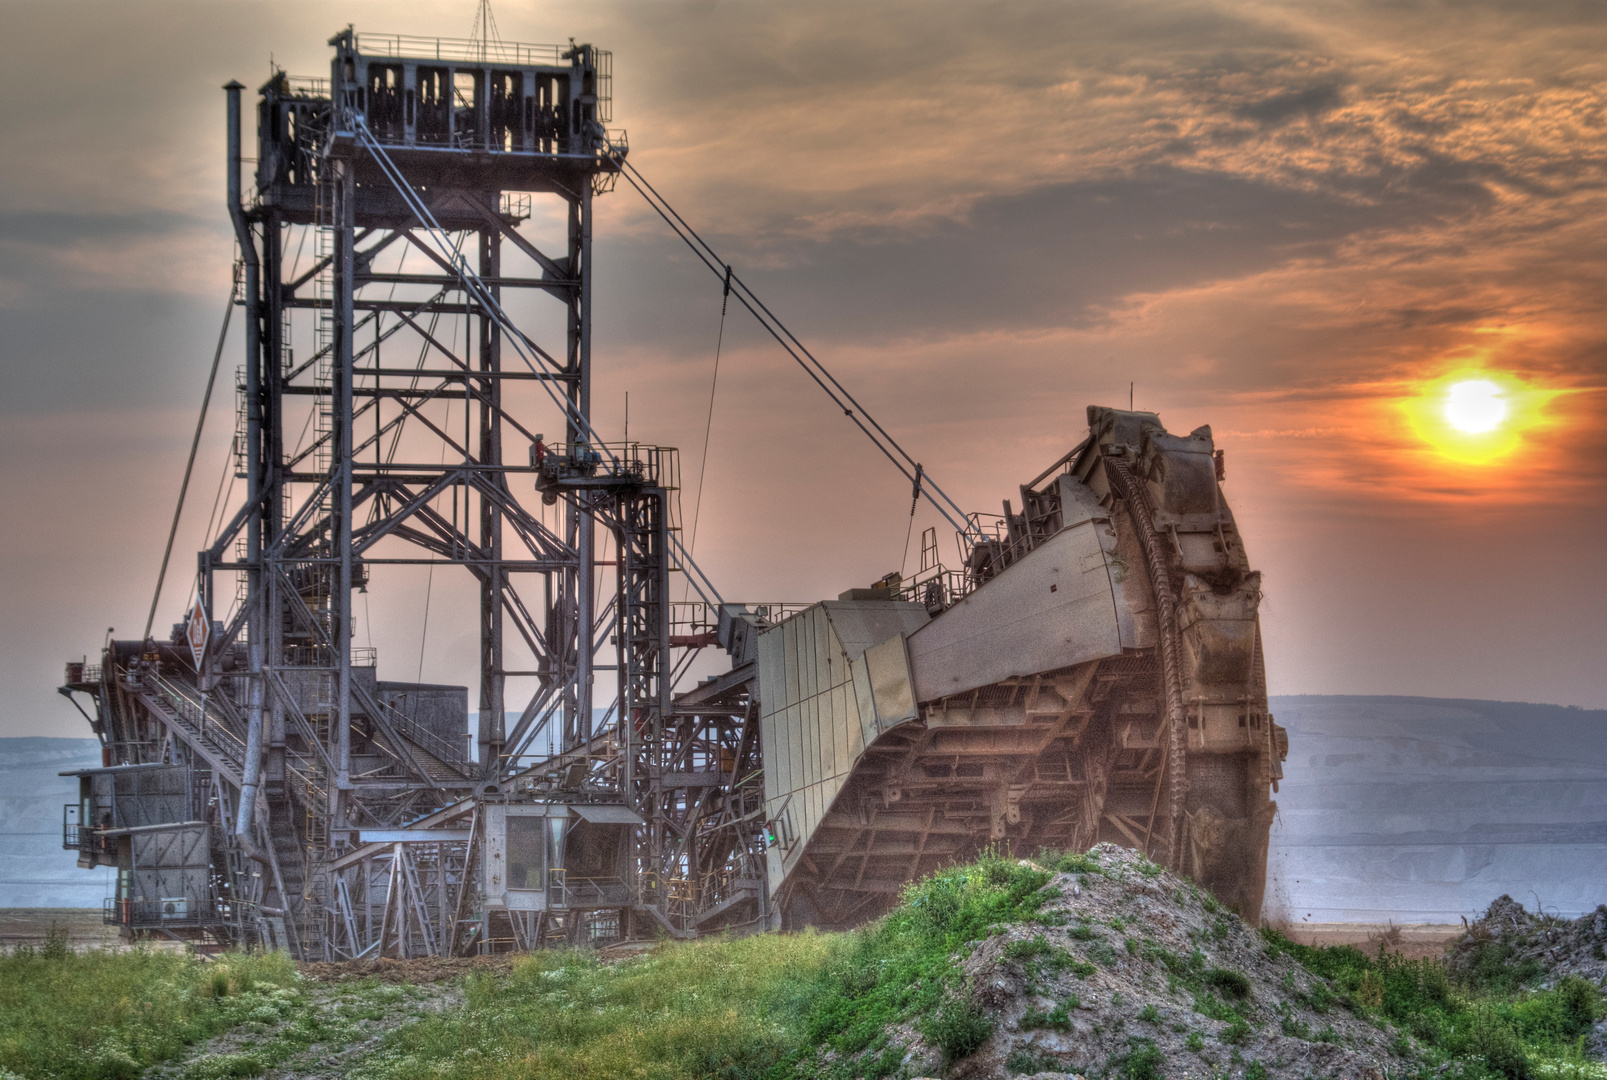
x=424 y=969
x=1133 y=972
x=1532 y=945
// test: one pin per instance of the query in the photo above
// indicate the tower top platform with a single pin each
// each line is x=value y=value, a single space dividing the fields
x=453 y=114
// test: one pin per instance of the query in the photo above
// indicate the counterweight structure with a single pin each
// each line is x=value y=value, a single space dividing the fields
x=1093 y=672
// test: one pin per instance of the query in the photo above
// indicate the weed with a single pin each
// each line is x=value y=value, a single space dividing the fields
x=1232 y=984
x=1327 y=1035
x=958 y=1028
x=56 y=946
x=1237 y=1033
x=1102 y=954
x=1492 y=1038
x=1195 y=1042
x=1295 y=1028
x=1028 y=948
x=1255 y=1071
x=1142 y=1061
x=1082 y=932
x=1058 y=1018
x=1026 y=1060
x=226 y=1067
x=1069 y=862
x=1150 y=1014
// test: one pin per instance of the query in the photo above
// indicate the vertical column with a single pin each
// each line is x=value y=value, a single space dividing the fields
x=494 y=578
x=269 y=626
x=586 y=612
x=340 y=628
x=252 y=765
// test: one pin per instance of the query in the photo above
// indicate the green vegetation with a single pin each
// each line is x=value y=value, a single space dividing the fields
x=904 y=965
x=726 y=1008
x=1061 y=862
x=1490 y=1023
x=1058 y=1018
x=1143 y=1061
x=104 y=1015
x=1024 y=1059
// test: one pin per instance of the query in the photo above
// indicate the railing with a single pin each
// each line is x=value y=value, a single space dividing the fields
x=445 y=749
x=515 y=204
x=79 y=673
x=153 y=914
x=209 y=726
x=693 y=618
x=312 y=794
x=656 y=466
x=572 y=892
x=472 y=50
x=307 y=86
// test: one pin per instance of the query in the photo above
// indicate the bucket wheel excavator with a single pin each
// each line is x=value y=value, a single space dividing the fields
x=1093 y=673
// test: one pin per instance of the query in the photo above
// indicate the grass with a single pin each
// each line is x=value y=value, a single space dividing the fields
x=1491 y=1023
x=903 y=966
x=739 y=1009
x=103 y=1015
x=722 y=1008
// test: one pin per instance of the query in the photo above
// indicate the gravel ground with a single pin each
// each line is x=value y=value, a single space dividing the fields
x=1141 y=974
x=1560 y=946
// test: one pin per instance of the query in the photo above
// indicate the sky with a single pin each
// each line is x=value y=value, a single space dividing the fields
x=1301 y=224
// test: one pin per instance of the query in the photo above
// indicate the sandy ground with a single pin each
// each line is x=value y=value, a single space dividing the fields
x=85 y=930
x=1413 y=940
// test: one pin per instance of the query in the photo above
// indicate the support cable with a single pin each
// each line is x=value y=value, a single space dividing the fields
x=805 y=359
x=909 y=530
x=189 y=466
x=708 y=426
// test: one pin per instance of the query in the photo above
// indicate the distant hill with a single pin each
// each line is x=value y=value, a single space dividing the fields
x=1412 y=809
x=1426 y=809
x=34 y=870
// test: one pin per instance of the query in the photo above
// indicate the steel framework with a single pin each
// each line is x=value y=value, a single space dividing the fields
x=347 y=816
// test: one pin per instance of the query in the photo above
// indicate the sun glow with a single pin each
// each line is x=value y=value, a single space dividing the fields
x=1476 y=417
x=1475 y=406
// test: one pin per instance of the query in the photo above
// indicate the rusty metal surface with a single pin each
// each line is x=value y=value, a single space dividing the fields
x=1098 y=677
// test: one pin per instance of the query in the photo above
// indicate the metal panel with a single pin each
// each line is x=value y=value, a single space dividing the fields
x=864 y=703
x=859 y=624
x=796 y=745
x=789 y=653
x=825 y=652
x=844 y=728
x=888 y=668
x=769 y=738
x=607 y=815
x=413 y=836
x=1052 y=609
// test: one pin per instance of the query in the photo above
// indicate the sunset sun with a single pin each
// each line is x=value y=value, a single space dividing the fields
x=1477 y=416
x=1475 y=406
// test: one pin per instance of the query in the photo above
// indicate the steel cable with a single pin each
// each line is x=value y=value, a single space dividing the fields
x=189 y=466
x=800 y=353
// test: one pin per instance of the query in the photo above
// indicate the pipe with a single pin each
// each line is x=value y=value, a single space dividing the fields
x=251 y=768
